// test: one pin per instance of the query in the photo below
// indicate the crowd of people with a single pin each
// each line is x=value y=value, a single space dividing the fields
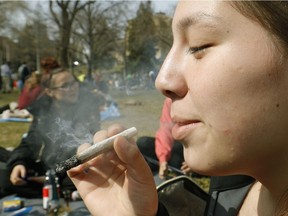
x=10 y=79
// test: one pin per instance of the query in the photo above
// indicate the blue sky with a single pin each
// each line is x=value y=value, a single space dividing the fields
x=167 y=6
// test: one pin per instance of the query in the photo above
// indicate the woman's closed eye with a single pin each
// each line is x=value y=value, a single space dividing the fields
x=199 y=51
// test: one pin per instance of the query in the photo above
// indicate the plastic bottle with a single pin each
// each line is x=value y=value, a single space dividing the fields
x=47 y=191
x=54 y=202
x=51 y=192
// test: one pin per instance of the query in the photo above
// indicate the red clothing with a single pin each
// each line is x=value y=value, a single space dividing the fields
x=28 y=96
x=163 y=138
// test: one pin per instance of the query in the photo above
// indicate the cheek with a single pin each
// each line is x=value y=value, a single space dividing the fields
x=229 y=87
x=234 y=91
x=58 y=96
x=71 y=97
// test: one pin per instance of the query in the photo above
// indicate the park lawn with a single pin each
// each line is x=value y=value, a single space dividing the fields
x=11 y=132
x=141 y=109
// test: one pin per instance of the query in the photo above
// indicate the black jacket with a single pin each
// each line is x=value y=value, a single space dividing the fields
x=52 y=138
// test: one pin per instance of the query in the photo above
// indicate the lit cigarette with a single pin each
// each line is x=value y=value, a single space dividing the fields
x=93 y=151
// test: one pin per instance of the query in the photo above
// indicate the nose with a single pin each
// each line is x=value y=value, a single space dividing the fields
x=170 y=80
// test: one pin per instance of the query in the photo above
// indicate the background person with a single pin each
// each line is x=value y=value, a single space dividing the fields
x=65 y=116
x=24 y=73
x=48 y=64
x=6 y=77
x=31 y=90
x=33 y=84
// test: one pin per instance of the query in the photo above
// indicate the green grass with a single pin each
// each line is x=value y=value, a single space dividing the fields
x=7 y=98
x=11 y=132
x=144 y=116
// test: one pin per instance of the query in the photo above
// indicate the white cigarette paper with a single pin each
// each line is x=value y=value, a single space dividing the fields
x=104 y=145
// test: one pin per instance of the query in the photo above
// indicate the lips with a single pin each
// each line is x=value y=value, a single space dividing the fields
x=183 y=129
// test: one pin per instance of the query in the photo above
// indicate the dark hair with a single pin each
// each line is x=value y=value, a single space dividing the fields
x=48 y=64
x=47 y=82
x=272 y=15
x=281 y=208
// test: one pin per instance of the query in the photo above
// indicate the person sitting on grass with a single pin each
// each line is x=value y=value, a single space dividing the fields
x=31 y=90
x=65 y=116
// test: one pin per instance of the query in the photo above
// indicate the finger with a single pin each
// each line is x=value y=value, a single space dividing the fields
x=82 y=167
x=20 y=182
x=161 y=174
x=14 y=175
x=186 y=170
x=99 y=136
x=184 y=166
x=101 y=160
x=17 y=181
x=114 y=129
x=83 y=147
x=130 y=155
x=38 y=179
x=103 y=164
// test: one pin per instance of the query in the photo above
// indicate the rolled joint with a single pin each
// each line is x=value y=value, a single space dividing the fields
x=93 y=151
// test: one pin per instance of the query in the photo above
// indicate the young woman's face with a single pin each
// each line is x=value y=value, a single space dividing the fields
x=229 y=89
x=64 y=88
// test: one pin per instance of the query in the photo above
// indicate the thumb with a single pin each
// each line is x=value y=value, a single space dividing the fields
x=130 y=155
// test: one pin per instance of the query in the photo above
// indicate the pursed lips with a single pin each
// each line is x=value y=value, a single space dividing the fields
x=182 y=128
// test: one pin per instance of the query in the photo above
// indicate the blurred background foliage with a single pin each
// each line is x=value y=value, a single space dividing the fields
x=127 y=38
x=119 y=40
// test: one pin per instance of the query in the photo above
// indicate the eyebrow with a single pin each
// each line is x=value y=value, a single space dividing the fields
x=204 y=19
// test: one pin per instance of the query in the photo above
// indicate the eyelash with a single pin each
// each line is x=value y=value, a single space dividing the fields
x=194 y=50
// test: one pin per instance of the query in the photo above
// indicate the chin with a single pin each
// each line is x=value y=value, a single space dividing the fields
x=203 y=167
x=208 y=170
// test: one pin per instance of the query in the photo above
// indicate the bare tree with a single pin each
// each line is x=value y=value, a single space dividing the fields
x=163 y=35
x=8 y=8
x=99 y=26
x=7 y=11
x=141 y=44
x=64 y=20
